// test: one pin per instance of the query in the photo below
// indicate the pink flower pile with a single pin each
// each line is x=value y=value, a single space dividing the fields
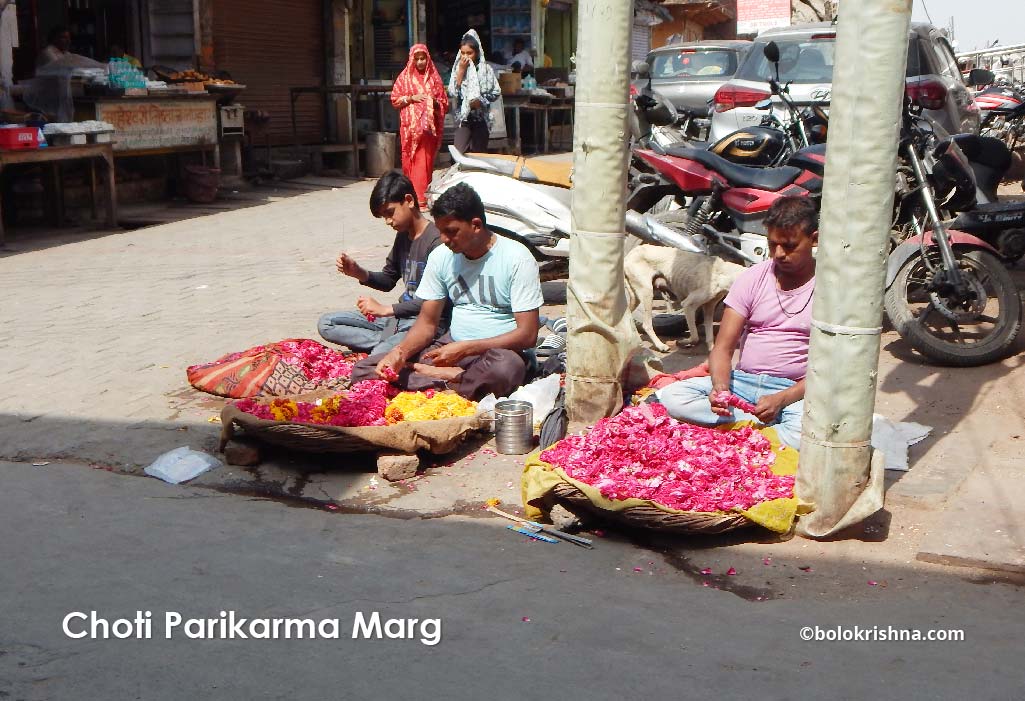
x=362 y=405
x=644 y=453
x=318 y=362
x=733 y=400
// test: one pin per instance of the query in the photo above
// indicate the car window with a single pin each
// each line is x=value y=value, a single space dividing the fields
x=918 y=62
x=694 y=63
x=801 y=61
x=947 y=62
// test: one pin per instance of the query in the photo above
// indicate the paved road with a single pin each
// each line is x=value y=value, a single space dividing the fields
x=80 y=539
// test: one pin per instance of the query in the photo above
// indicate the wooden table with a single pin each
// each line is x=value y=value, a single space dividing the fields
x=355 y=91
x=55 y=155
x=540 y=110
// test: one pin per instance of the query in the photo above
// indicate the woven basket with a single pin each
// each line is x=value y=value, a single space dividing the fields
x=651 y=517
x=439 y=437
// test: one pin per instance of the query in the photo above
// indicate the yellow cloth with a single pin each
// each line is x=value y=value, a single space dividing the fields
x=540 y=478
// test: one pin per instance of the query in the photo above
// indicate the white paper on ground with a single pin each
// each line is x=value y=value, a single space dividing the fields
x=181 y=465
x=894 y=438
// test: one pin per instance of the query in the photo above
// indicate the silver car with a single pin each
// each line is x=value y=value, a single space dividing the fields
x=806 y=62
x=688 y=74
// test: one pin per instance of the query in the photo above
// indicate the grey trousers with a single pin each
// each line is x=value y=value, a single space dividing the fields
x=352 y=330
x=497 y=372
x=472 y=137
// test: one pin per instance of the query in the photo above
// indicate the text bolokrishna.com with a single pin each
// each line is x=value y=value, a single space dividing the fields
x=230 y=626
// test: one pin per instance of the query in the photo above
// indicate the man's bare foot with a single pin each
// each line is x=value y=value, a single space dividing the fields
x=447 y=374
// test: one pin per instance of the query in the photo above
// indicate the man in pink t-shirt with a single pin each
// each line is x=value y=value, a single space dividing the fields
x=768 y=316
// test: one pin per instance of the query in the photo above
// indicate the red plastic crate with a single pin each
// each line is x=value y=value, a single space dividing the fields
x=19 y=138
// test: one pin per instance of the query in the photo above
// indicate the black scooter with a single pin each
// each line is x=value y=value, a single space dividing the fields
x=1001 y=224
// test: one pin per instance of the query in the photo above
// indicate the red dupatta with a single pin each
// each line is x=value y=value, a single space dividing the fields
x=418 y=118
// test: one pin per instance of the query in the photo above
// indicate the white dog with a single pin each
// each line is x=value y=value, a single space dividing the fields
x=695 y=281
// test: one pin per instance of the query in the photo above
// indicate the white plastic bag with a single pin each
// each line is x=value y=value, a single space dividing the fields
x=181 y=465
x=541 y=394
x=894 y=438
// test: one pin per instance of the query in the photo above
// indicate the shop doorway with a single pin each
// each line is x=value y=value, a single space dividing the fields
x=95 y=27
x=560 y=33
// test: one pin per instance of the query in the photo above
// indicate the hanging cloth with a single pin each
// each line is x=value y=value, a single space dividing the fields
x=8 y=43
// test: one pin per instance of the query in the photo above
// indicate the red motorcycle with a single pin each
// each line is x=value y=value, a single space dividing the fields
x=727 y=202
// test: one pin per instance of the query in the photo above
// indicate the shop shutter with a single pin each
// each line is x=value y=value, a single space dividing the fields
x=170 y=31
x=640 y=41
x=270 y=47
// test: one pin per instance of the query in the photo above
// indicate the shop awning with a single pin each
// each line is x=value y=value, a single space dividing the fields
x=704 y=12
x=650 y=13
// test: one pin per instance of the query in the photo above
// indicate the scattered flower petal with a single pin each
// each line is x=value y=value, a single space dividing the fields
x=872 y=582
x=638 y=569
x=707 y=570
x=731 y=571
x=767 y=561
x=525 y=619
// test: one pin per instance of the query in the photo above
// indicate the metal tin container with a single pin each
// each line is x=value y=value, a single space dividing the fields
x=514 y=427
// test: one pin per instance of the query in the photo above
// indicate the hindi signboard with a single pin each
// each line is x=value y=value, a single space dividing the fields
x=144 y=124
x=754 y=16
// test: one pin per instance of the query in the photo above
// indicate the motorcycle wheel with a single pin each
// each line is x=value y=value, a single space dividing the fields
x=963 y=338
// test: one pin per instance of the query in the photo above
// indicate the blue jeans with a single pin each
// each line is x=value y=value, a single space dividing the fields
x=353 y=330
x=688 y=400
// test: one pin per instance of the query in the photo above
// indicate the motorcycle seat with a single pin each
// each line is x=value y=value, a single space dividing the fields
x=771 y=179
x=529 y=170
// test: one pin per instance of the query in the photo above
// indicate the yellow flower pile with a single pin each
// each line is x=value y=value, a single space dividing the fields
x=283 y=409
x=427 y=406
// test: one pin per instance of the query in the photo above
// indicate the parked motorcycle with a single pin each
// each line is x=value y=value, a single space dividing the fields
x=728 y=202
x=947 y=292
x=528 y=200
x=784 y=129
x=724 y=195
x=1006 y=123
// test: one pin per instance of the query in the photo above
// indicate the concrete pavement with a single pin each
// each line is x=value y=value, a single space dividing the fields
x=97 y=333
x=517 y=618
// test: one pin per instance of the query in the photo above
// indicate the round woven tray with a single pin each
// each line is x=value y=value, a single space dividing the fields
x=439 y=437
x=651 y=517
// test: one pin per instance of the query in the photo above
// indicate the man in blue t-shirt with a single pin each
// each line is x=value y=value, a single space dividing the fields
x=493 y=285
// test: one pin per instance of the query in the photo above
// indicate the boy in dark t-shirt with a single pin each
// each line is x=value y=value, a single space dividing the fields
x=378 y=327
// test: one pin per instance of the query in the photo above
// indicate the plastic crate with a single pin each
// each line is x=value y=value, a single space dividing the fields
x=19 y=138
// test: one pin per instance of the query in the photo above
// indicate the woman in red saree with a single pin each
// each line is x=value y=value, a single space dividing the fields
x=421 y=99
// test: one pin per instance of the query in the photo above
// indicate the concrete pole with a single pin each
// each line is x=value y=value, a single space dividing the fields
x=837 y=473
x=602 y=336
